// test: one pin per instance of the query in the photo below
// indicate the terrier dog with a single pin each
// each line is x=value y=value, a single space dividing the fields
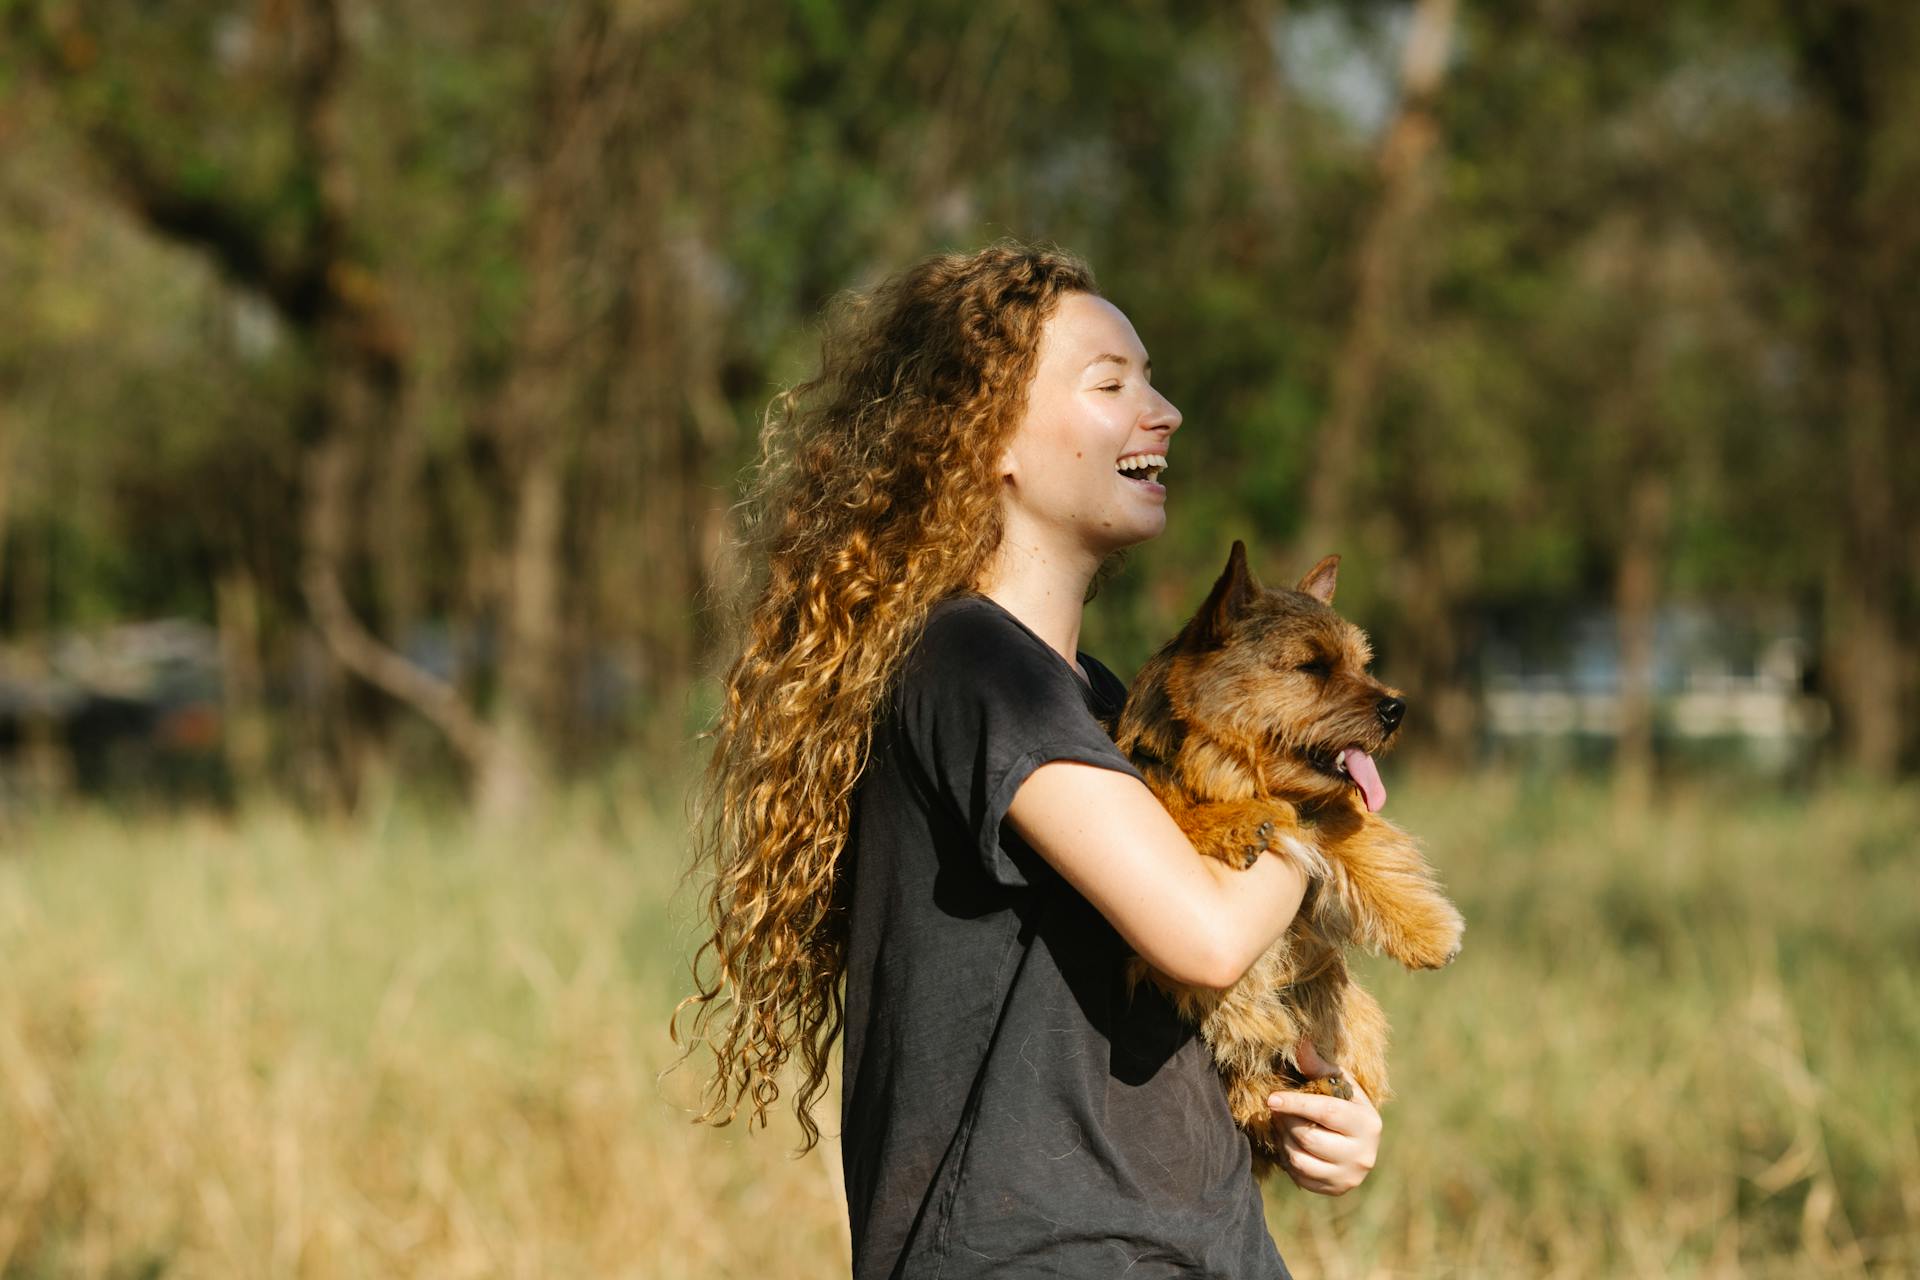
x=1256 y=727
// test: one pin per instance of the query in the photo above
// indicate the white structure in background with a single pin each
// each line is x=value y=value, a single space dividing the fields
x=1716 y=677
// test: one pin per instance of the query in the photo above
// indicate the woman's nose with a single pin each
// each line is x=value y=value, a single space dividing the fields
x=1164 y=415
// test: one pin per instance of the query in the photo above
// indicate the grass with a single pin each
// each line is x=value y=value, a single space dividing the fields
x=1678 y=1043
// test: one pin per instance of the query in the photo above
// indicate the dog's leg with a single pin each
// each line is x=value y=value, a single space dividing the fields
x=1237 y=832
x=1367 y=1043
x=1389 y=891
x=1351 y=1033
x=1348 y=1030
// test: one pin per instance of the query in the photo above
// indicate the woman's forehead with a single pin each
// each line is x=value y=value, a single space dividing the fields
x=1085 y=329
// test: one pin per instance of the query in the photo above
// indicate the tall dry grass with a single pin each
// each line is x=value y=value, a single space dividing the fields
x=1677 y=1044
x=259 y=1048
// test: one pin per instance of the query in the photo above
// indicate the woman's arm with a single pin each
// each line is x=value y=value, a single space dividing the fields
x=1192 y=918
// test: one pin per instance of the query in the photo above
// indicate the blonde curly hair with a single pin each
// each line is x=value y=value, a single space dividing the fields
x=875 y=497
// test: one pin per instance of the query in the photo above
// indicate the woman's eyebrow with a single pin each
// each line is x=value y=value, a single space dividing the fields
x=1110 y=356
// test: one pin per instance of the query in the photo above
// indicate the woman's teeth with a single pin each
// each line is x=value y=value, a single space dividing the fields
x=1142 y=466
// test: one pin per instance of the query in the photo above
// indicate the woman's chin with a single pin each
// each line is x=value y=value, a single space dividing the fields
x=1143 y=527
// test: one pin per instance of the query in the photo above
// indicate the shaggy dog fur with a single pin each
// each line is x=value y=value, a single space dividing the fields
x=1256 y=727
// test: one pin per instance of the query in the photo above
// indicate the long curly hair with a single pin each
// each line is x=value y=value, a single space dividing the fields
x=876 y=496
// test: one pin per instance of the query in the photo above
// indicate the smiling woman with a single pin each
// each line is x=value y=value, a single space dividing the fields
x=1091 y=410
x=920 y=834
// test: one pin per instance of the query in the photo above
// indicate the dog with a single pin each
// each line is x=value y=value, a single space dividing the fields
x=1256 y=727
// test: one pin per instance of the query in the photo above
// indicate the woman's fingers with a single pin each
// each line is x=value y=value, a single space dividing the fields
x=1311 y=1173
x=1327 y=1144
x=1320 y=1108
x=1355 y=1156
x=1353 y=1116
x=1330 y=1143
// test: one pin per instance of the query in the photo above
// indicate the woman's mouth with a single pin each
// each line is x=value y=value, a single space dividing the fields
x=1144 y=469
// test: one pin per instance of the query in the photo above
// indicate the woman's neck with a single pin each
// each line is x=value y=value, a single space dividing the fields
x=1044 y=588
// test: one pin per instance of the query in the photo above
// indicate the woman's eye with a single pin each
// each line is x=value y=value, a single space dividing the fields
x=1111 y=386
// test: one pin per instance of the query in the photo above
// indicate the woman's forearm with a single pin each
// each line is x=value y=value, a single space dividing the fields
x=1194 y=919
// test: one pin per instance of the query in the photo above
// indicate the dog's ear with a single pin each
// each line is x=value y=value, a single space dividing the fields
x=1229 y=599
x=1319 y=580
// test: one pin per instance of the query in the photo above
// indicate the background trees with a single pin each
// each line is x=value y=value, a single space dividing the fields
x=418 y=351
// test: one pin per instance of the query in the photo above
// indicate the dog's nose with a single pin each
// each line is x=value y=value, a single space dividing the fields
x=1391 y=709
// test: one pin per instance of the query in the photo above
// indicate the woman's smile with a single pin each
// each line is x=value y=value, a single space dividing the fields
x=1143 y=471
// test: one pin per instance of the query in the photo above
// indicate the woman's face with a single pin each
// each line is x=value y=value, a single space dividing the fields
x=1090 y=407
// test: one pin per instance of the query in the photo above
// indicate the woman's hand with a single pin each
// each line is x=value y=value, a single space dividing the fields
x=1331 y=1142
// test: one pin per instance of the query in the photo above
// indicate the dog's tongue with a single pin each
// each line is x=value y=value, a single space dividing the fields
x=1361 y=769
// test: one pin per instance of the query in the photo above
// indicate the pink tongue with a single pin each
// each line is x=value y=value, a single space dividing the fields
x=1361 y=769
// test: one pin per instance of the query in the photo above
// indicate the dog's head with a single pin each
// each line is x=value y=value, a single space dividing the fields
x=1278 y=682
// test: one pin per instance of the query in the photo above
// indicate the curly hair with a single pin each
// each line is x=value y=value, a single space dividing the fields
x=876 y=496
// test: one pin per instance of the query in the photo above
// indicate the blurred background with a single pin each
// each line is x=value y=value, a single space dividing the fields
x=375 y=387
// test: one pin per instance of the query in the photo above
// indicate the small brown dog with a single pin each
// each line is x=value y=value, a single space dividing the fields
x=1256 y=727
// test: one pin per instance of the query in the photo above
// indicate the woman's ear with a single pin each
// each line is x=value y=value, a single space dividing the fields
x=1007 y=468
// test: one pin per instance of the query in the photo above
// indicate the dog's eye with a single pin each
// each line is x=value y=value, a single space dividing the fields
x=1318 y=667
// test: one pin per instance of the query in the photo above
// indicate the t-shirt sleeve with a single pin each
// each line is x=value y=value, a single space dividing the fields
x=982 y=705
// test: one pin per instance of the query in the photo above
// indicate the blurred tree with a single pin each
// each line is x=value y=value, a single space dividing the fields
x=430 y=341
x=1863 y=251
x=1380 y=253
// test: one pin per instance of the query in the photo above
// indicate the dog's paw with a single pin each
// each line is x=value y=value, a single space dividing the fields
x=1237 y=832
x=1335 y=1086
x=1262 y=842
x=1435 y=942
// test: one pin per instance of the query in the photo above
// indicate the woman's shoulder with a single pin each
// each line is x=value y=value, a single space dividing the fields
x=972 y=642
x=974 y=627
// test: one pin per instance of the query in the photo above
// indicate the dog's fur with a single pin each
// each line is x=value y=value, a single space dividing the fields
x=1238 y=725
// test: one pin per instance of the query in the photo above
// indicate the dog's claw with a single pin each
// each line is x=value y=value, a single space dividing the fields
x=1262 y=843
x=1330 y=1087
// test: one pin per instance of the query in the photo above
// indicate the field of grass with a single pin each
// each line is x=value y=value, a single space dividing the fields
x=1682 y=1043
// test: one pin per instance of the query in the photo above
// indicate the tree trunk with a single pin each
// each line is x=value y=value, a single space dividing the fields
x=1643 y=480
x=322 y=293
x=44 y=748
x=362 y=382
x=1433 y=569
x=327 y=510
x=511 y=780
x=1867 y=657
x=394 y=529
x=1342 y=441
x=674 y=393
x=6 y=480
x=245 y=738
x=668 y=399
x=1869 y=676
x=1636 y=600
x=1266 y=117
x=538 y=417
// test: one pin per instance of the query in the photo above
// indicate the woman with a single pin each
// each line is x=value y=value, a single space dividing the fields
x=912 y=794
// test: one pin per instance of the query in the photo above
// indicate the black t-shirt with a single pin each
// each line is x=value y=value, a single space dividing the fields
x=1008 y=1109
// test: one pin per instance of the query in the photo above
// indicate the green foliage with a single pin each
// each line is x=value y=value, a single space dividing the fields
x=1617 y=257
